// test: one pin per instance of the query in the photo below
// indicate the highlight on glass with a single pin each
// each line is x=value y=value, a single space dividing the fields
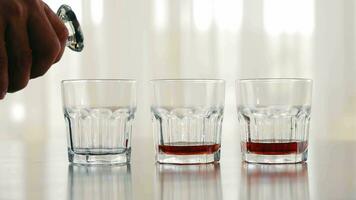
x=187 y=116
x=99 y=116
x=75 y=40
x=274 y=116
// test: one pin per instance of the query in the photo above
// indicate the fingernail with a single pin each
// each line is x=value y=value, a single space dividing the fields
x=3 y=94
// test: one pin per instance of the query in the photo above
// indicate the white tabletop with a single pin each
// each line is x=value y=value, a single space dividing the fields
x=40 y=170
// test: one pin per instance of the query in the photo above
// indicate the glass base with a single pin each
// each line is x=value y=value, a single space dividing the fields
x=108 y=159
x=274 y=159
x=164 y=158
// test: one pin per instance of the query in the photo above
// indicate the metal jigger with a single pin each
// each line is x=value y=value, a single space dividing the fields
x=75 y=39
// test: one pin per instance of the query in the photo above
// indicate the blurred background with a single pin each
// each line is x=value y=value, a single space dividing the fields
x=227 y=39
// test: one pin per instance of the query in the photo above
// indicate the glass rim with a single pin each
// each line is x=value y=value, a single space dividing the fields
x=97 y=80
x=188 y=80
x=274 y=80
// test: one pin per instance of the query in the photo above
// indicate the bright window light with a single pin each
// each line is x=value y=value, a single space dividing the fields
x=160 y=14
x=202 y=14
x=18 y=112
x=96 y=11
x=228 y=14
x=289 y=16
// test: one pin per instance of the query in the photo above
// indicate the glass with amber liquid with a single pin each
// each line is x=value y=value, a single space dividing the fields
x=187 y=116
x=274 y=116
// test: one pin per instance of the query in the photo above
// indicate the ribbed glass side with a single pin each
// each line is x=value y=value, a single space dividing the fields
x=274 y=131
x=188 y=126
x=99 y=131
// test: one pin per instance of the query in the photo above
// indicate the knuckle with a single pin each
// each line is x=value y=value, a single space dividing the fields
x=22 y=84
x=40 y=72
x=48 y=54
x=44 y=58
x=3 y=61
x=59 y=57
x=16 y=9
x=17 y=85
x=19 y=70
x=23 y=59
x=4 y=83
x=63 y=33
x=53 y=51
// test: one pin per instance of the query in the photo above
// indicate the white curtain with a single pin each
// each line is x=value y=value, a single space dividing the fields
x=226 y=39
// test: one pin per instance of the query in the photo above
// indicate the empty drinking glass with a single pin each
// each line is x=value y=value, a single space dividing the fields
x=187 y=115
x=274 y=117
x=99 y=116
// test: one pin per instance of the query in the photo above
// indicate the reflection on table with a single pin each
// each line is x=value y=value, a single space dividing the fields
x=188 y=182
x=99 y=182
x=289 y=181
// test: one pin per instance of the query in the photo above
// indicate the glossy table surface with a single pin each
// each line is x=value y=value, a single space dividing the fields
x=40 y=170
x=192 y=39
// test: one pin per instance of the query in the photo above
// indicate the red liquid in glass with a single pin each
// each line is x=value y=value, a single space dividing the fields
x=182 y=148
x=275 y=147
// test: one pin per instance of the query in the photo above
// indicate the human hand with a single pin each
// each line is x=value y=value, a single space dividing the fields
x=32 y=38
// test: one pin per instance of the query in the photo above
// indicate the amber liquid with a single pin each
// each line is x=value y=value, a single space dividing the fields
x=183 y=148
x=275 y=147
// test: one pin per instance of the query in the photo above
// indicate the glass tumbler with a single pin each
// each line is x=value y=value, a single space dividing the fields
x=99 y=116
x=274 y=117
x=187 y=116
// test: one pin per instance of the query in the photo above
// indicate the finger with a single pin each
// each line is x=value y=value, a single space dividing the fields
x=4 y=81
x=43 y=41
x=19 y=55
x=59 y=28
